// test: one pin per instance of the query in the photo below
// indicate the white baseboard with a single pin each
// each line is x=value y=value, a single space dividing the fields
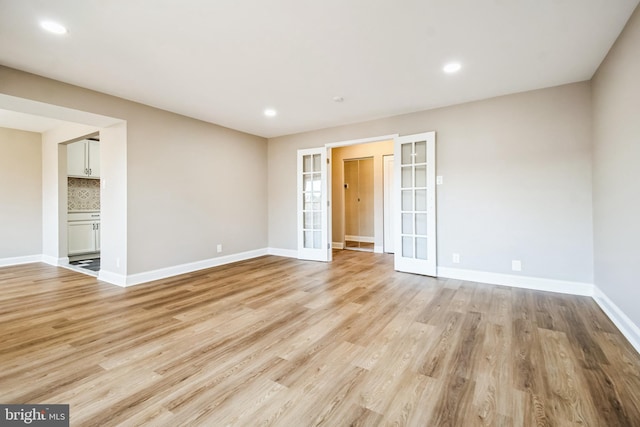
x=163 y=273
x=51 y=260
x=6 y=262
x=537 y=283
x=630 y=330
x=337 y=245
x=112 y=278
x=287 y=253
x=361 y=239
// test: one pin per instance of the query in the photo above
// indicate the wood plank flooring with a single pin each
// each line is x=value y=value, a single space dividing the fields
x=277 y=341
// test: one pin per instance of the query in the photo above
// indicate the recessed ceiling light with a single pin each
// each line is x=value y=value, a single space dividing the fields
x=452 y=67
x=270 y=112
x=53 y=27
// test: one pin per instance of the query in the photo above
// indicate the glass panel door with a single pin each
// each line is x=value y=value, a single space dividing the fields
x=415 y=198
x=312 y=205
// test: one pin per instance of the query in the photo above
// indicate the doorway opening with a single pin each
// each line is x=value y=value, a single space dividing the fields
x=358 y=204
x=357 y=194
x=70 y=125
x=83 y=204
x=414 y=201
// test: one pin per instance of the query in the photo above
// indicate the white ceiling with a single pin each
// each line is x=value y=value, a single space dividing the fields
x=225 y=61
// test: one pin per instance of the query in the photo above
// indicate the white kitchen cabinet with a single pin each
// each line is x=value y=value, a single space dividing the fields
x=76 y=154
x=83 y=159
x=83 y=233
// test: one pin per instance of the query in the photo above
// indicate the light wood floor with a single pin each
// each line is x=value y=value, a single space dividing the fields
x=276 y=341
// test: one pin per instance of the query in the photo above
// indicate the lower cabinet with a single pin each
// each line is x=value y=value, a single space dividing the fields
x=83 y=233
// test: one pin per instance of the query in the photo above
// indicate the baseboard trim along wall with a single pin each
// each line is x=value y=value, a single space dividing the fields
x=339 y=245
x=163 y=273
x=630 y=330
x=536 y=283
x=362 y=239
x=287 y=253
x=112 y=278
x=48 y=259
x=6 y=262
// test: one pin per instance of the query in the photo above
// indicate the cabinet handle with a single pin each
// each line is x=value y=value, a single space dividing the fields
x=89 y=172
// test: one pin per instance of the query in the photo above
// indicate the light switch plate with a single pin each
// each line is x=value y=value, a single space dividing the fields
x=516 y=265
x=439 y=180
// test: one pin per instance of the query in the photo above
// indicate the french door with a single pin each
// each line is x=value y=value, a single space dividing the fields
x=313 y=225
x=415 y=202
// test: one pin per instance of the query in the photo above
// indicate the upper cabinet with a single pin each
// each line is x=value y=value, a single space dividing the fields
x=83 y=159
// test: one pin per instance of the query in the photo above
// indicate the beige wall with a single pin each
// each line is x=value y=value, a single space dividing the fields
x=375 y=150
x=616 y=183
x=192 y=185
x=20 y=194
x=189 y=184
x=517 y=180
x=517 y=173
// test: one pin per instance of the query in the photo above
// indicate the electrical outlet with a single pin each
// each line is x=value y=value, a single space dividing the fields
x=456 y=258
x=516 y=265
x=219 y=247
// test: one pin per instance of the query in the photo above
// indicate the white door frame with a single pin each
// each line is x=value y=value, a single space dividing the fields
x=388 y=205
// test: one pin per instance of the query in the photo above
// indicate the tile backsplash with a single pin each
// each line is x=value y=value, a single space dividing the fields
x=83 y=194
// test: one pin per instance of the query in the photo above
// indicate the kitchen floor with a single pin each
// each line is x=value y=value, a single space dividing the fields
x=88 y=264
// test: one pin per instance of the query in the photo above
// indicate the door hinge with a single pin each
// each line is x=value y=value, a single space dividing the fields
x=327 y=160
